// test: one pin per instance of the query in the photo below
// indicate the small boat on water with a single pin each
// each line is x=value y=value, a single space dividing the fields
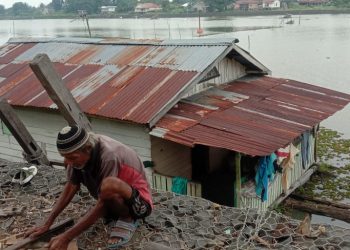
x=290 y=21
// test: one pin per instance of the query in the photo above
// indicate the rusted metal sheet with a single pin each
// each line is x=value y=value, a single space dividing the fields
x=65 y=71
x=57 y=52
x=190 y=58
x=10 y=69
x=191 y=110
x=166 y=89
x=108 y=91
x=13 y=52
x=124 y=79
x=128 y=55
x=93 y=82
x=185 y=58
x=9 y=83
x=176 y=123
x=133 y=92
x=103 y=54
x=260 y=115
x=206 y=41
x=37 y=96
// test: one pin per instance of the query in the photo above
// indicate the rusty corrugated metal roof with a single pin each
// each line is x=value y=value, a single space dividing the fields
x=253 y=116
x=114 y=78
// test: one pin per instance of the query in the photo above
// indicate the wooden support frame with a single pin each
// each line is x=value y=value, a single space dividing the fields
x=60 y=95
x=19 y=131
x=238 y=179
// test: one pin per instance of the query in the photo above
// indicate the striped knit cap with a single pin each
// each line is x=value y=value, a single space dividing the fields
x=71 y=138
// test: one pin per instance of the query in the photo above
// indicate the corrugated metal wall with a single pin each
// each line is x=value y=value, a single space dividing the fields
x=275 y=187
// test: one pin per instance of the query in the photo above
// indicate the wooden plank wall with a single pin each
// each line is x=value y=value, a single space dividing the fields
x=229 y=70
x=165 y=183
x=44 y=127
x=171 y=159
x=275 y=187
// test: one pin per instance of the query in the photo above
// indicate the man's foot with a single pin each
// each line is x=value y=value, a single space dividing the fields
x=120 y=232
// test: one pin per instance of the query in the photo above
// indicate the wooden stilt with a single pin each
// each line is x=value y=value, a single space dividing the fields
x=34 y=153
x=238 y=179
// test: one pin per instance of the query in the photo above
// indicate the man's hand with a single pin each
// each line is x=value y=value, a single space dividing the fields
x=37 y=231
x=59 y=242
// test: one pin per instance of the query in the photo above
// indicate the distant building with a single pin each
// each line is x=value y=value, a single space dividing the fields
x=45 y=11
x=257 y=4
x=271 y=4
x=108 y=9
x=312 y=2
x=248 y=5
x=147 y=7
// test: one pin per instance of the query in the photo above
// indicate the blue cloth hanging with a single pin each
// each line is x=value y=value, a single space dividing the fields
x=179 y=185
x=265 y=172
x=305 y=147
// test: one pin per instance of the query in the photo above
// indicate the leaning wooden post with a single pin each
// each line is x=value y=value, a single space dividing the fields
x=23 y=137
x=60 y=95
x=315 y=130
x=238 y=179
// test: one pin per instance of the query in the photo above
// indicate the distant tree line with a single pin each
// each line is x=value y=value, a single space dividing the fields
x=123 y=6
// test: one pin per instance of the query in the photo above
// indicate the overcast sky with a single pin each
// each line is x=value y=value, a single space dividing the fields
x=35 y=3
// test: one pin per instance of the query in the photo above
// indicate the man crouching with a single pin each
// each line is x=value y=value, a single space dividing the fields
x=114 y=175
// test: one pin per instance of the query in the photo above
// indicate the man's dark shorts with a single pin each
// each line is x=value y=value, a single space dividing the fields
x=139 y=208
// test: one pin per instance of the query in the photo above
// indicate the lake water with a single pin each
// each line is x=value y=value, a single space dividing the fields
x=315 y=49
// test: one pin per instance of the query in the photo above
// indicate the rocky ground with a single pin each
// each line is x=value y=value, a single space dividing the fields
x=179 y=222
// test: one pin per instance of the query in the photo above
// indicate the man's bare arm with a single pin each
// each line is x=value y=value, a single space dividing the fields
x=66 y=196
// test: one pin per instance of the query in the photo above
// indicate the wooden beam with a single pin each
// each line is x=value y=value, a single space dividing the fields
x=321 y=209
x=319 y=201
x=238 y=179
x=60 y=95
x=23 y=137
x=53 y=229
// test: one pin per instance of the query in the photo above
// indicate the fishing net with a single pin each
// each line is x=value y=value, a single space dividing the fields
x=178 y=221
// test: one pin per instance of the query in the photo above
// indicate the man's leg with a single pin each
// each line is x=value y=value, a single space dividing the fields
x=113 y=193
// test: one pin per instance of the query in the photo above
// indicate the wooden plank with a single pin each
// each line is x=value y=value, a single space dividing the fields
x=199 y=190
x=60 y=95
x=23 y=137
x=53 y=229
x=238 y=179
x=163 y=182
x=189 y=189
x=169 y=184
x=319 y=201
